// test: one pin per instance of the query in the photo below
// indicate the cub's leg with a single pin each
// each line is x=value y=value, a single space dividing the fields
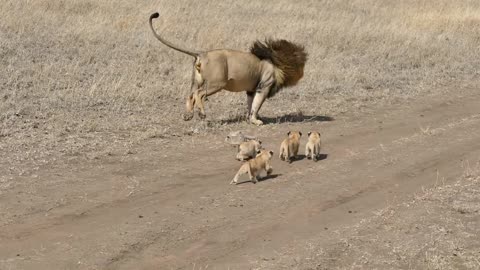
x=253 y=175
x=245 y=168
x=288 y=154
x=269 y=169
x=242 y=157
x=316 y=153
x=307 y=151
x=281 y=152
x=293 y=149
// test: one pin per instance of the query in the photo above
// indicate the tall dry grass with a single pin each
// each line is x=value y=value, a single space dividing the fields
x=82 y=74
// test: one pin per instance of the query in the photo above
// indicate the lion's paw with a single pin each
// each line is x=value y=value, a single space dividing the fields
x=256 y=121
x=187 y=116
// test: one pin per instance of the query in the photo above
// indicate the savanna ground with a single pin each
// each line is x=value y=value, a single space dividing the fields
x=98 y=171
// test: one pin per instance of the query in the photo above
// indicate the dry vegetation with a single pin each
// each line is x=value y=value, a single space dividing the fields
x=437 y=229
x=83 y=76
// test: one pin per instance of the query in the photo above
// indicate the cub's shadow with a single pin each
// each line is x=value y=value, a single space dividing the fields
x=319 y=157
x=263 y=178
x=322 y=157
x=287 y=118
x=268 y=177
x=298 y=158
x=302 y=157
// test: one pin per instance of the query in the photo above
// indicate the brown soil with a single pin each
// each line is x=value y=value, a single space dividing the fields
x=167 y=204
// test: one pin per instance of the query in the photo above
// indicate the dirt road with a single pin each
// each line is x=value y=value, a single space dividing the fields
x=168 y=205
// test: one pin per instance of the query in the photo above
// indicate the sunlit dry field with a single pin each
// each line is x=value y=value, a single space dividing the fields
x=71 y=69
x=86 y=82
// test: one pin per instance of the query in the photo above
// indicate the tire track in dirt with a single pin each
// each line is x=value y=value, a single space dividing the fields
x=471 y=145
x=360 y=200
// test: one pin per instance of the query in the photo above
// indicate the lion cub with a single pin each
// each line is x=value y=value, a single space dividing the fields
x=254 y=166
x=248 y=149
x=289 y=146
x=312 y=149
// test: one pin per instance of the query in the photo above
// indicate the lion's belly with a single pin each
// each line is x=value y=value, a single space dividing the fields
x=236 y=85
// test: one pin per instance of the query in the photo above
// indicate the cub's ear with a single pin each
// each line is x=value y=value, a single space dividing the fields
x=260 y=142
x=309 y=133
x=300 y=133
x=271 y=153
x=259 y=151
x=288 y=133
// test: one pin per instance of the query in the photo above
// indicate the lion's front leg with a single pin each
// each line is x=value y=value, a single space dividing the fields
x=258 y=100
x=250 y=96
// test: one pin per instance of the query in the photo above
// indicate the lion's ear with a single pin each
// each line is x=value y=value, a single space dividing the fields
x=288 y=133
x=259 y=142
x=300 y=133
x=271 y=153
x=259 y=151
x=309 y=133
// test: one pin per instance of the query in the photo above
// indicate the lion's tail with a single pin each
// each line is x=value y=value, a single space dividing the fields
x=166 y=42
x=287 y=57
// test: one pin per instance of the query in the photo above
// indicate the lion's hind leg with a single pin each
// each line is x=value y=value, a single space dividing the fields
x=192 y=97
x=200 y=98
x=190 y=103
x=201 y=95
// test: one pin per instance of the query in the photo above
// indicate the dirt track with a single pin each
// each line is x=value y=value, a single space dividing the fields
x=169 y=205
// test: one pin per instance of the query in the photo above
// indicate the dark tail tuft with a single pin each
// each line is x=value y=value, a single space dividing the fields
x=154 y=15
x=287 y=56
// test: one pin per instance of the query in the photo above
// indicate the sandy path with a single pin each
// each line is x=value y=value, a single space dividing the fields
x=170 y=207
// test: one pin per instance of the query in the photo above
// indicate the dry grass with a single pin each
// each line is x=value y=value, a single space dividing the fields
x=78 y=76
x=437 y=229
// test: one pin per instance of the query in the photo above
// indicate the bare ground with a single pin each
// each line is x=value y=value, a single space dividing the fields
x=97 y=170
x=167 y=203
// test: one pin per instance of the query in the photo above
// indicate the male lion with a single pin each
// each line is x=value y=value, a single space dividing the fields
x=262 y=72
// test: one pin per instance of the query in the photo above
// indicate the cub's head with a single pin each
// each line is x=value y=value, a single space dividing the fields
x=258 y=144
x=313 y=135
x=264 y=154
x=294 y=135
